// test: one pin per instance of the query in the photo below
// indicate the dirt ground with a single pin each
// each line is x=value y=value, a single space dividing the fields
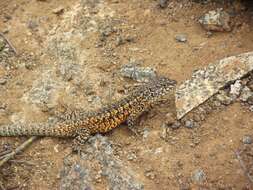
x=44 y=33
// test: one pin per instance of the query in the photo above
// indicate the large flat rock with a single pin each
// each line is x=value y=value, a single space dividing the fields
x=206 y=82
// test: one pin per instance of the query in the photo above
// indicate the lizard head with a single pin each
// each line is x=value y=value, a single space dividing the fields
x=166 y=83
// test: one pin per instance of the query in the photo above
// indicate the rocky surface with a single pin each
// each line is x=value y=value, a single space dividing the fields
x=98 y=166
x=216 y=20
x=207 y=82
x=140 y=74
x=70 y=54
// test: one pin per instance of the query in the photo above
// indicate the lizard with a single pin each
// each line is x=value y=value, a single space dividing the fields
x=80 y=125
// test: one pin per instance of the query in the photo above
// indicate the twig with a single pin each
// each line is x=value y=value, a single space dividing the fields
x=243 y=166
x=9 y=43
x=2 y=186
x=4 y=153
x=23 y=162
x=17 y=150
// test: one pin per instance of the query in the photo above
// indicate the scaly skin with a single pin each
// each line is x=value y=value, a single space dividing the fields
x=81 y=125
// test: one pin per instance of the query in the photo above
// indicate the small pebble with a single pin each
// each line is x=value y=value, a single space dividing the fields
x=3 y=81
x=162 y=3
x=175 y=125
x=169 y=119
x=235 y=89
x=251 y=108
x=189 y=124
x=246 y=94
x=199 y=176
x=247 y=139
x=150 y=174
x=181 y=38
x=58 y=10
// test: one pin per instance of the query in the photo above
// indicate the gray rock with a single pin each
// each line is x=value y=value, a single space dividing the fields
x=223 y=98
x=207 y=82
x=235 y=89
x=98 y=153
x=216 y=20
x=45 y=91
x=140 y=74
x=69 y=71
x=162 y=3
x=59 y=10
x=181 y=38
x=247 y=139
x=3 y=81
x=74 y=178
x=251 y=108
x=199 y=176
x=175 y=125
x=32 y=24
x=189 y=124
x=149 y=173
x=246 y=94
x=119 y=41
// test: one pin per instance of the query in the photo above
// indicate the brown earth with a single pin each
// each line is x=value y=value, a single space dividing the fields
x=210 y=147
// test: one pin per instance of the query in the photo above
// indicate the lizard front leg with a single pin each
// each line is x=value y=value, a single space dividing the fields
x=132 y=121
x=82 y=135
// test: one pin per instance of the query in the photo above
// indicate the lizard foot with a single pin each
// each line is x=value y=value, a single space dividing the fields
x=81 y=138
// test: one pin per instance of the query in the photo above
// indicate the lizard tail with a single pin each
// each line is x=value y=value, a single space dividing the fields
x=30 y=129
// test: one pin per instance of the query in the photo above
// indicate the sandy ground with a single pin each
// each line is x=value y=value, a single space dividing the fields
x=34 y=27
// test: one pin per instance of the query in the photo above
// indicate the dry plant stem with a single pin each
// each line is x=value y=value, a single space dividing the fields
x=9 y=43
x=17 y=150
x=243 y=167
x=4 y=153
x=1 y=186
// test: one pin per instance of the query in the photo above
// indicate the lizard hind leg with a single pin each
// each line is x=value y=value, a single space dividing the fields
x=131 y=124
x=80 y=139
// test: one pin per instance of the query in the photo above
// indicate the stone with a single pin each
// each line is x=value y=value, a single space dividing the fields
x=189 y=124
x=3 y=81
x=251 y=108
x=181 y=38
x=208 y=81
x=140 y=74
x=216 y=20
x=247 y=139
x=169 y=118
x=223 y=98
x=199 y=176
x=45 y=91
x=175 y=125
x=246 y=94
x=58 y=10
x=235 y=89
x=78 y=172
x=32 y=24
x=163 y=3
